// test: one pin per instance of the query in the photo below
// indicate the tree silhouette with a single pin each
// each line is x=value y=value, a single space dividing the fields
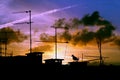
x=84 y=36
x=11 y=35
x=104 y=32
x=8 y=35
x=62 y=23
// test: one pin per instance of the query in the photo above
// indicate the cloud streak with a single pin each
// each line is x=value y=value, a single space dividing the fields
x=36 y=15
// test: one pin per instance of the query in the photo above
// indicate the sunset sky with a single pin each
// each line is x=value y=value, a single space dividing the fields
x=44 y=14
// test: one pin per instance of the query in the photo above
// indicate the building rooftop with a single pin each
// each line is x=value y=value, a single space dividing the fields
x=35 y=54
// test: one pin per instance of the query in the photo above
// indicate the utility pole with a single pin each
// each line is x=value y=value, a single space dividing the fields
x=30 y=21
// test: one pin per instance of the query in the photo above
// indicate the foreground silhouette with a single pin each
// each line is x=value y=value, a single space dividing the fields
x=31 y=65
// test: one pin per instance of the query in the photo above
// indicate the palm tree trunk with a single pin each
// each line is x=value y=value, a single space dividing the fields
x=99 y=43
x=100 y=51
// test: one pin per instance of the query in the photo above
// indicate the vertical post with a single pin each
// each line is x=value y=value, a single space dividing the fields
x=99 y=43
x=56 y=42
x=29 y=12
x=30 y=31
x=6 y=40
x=101 y=60
x=56 y=39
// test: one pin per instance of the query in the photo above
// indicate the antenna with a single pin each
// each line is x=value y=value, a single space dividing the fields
x=29 y=12
x=56 y=38
x=55 y=46
x=66 y=28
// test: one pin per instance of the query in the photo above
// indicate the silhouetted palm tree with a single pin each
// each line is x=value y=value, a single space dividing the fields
x=104 y=32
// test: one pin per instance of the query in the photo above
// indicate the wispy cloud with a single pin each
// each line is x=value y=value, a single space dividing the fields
x=36 y=15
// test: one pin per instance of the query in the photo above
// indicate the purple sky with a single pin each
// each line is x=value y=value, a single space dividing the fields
x=108 y=9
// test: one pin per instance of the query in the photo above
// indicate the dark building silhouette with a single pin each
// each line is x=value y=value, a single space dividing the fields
x=29 y=58
x=35 y=57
